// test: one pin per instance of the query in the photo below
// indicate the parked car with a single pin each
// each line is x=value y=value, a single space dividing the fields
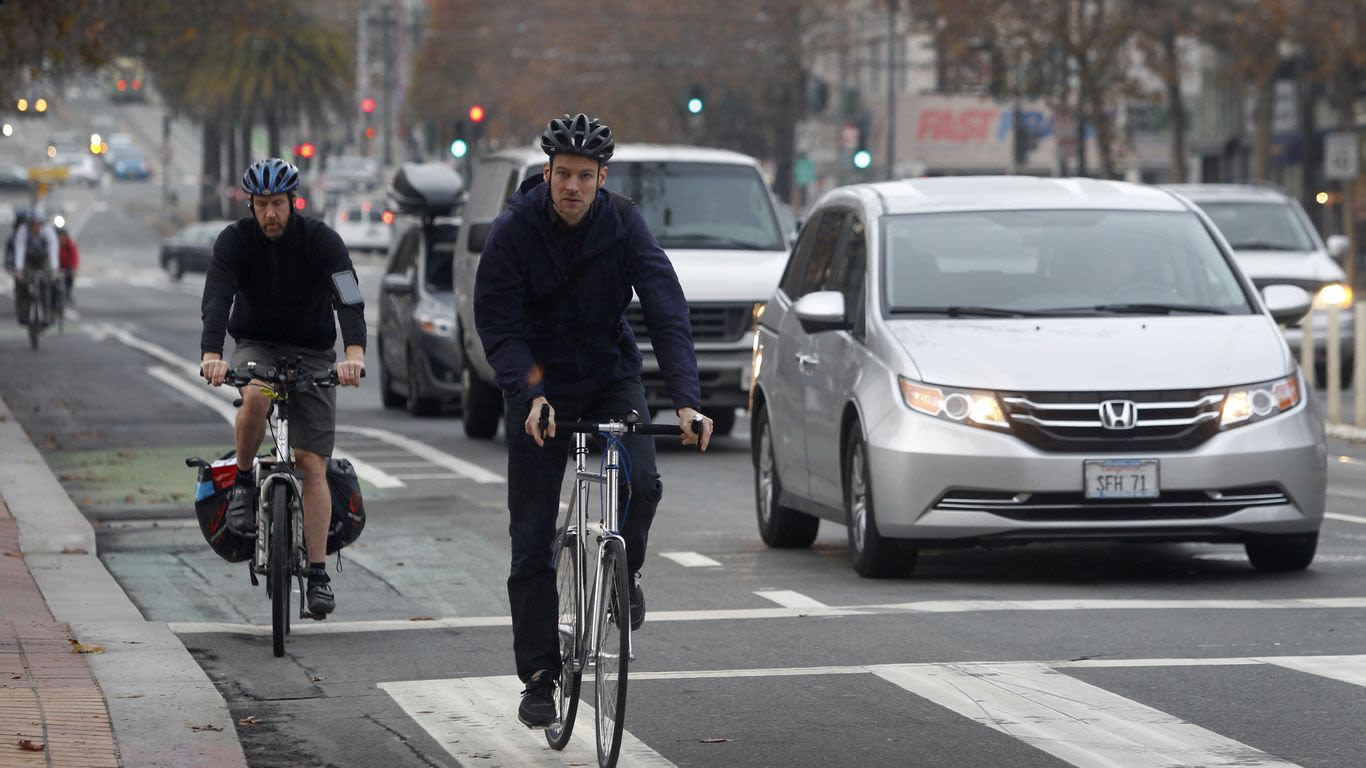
x=344 y=174
x=419 y=360
x=1002 y=360
x=365 y=224
x=13 y=176
x=81 y=167
x=1275 y=242
x=190 y=249
x=129 y=163
x=715 y=218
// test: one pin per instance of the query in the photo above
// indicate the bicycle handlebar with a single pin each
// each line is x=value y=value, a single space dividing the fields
x=276 y=375
x=629 y=425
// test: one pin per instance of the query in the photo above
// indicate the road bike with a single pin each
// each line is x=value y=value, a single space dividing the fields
x=280 y=552
x=44 y=305
x=594 y=621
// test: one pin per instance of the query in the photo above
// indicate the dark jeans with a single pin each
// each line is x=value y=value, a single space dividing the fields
x=535 y=478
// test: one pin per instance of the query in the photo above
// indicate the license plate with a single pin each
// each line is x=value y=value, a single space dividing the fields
x=1120 y=478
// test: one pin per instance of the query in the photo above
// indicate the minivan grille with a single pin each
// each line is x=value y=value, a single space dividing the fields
x=1139 y=421
x=1073 y=506
x=710 y=322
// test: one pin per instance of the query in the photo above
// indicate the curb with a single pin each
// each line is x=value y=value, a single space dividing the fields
x=165 y=711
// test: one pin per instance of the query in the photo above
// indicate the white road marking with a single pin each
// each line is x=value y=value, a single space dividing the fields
x=474 y=719
x=789 y=599
x=1345 y=518
x=1347 y=669
x=367 y=472
x=736 y=614
x=466 y=469
x=441 y=476
x=690 y=559
x=1074 y=721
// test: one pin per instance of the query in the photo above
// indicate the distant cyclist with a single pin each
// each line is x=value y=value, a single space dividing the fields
x=550 y=297
x=69 y=261
x=274 y=271
x=35 y=252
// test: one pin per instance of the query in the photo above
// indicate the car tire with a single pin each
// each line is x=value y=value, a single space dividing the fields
x=780 y=527
x=1279 y=553
x=723 y=422
x=418 y=405
x=387 y=395
x=174 y=267
x=872 y=555
x=483 y=405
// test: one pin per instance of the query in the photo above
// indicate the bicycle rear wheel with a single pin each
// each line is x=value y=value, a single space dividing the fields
x=569 y=583
x=613 y=652
x=279 y=566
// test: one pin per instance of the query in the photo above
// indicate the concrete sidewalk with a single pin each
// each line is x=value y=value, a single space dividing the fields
x=135 y=697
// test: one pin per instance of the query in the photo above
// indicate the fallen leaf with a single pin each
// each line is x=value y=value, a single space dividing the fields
x=79 y=647
x=31 y=746
x=207 y=727
x=74 y=551
x=715 y=740
x=12 y=553
x=422 y=618
x=316 y=678
x=400 y=562
x=249 y=720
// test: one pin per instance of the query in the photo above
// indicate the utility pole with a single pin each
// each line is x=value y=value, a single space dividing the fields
x=387 y=104
x=362 y=68
x=891 y=89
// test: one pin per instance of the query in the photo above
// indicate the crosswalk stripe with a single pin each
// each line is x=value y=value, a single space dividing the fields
x=1070 y=719
x=789 y=599
x=1346 y=669
x=473 y=719
x=1345 y=518
x=690 y=559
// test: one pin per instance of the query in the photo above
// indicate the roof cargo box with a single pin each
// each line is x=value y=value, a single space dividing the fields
x=427 y=189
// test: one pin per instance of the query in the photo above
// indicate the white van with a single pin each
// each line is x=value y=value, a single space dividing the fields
x=714 y=216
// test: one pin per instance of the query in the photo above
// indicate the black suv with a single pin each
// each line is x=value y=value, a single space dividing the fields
x=419 y=360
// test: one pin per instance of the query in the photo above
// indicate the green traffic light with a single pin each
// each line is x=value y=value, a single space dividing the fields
x=459 y=148
x=695 y=105
x=863 y=159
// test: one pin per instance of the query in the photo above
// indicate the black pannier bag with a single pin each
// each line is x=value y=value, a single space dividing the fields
x=348 y=509
x=212 y=489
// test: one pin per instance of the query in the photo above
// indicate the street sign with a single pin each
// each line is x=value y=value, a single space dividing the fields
x=1340 y=151
x=804 y=172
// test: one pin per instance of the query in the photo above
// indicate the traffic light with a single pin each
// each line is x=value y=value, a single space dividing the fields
x=476 y=130
x=696 y=101
x=459 y=148
x=367 y=105
x=863 y=157
x=305 y=150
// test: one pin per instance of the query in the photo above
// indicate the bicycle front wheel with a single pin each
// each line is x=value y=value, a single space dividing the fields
x=569 y=583
x=34 y=322
x=279 y=566
x=613 y=652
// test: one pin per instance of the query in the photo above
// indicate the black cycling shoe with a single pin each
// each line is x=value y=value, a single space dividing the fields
x=637 y=603
x=242 y=510
x=538 y=701
x=320 y=599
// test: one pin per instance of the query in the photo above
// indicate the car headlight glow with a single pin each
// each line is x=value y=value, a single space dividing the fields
x=434 y=318
x=1255 y=402
x=1334 y=295
x=962 y=405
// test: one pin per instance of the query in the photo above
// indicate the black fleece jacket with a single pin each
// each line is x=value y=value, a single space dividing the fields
x=279 y=292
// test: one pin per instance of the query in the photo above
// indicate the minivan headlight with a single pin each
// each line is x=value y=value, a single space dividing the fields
x=434 y=318
x=1334 y=295
x=967 y=406
x=1245 y=405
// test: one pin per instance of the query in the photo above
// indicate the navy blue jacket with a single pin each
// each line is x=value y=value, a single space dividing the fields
x=279 y=291
x=553 y=323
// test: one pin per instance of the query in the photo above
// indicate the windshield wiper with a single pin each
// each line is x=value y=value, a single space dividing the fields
x=1148 y=308
x=966 y=311
x=719 y=241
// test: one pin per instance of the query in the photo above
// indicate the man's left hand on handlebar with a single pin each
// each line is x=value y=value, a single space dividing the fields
x=349 y=372
x=685 y=420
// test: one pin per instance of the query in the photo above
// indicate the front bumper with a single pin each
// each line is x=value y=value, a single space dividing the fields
x=723 y=373
x=940 y=482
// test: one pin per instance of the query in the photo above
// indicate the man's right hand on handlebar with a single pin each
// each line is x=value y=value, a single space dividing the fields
x=213 y=368
x=533 y=420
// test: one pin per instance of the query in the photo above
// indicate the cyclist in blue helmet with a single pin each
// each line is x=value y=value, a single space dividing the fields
x=275 y=284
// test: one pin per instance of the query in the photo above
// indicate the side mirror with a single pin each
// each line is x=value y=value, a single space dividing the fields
x=821 y=311
x=1338 y=246
x=479 y=232
x=397 y=283
x=1287 y=303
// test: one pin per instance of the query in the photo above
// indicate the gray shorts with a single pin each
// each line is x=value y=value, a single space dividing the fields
x=312 y=411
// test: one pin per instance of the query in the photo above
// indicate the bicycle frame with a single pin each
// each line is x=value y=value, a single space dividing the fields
x=282 y=471
x=601 y=531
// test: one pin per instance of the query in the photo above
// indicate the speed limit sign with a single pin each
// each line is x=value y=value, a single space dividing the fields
x=1340 y=152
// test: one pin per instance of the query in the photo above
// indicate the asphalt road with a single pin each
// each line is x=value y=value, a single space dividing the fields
x=1086 y=654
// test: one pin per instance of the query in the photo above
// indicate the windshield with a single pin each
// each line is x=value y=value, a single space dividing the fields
x=700 y=205
x=440 y=256
x=1026 y=263
x=1259 y=226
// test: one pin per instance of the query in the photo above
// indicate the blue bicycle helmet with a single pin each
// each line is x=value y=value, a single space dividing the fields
x=270 y=177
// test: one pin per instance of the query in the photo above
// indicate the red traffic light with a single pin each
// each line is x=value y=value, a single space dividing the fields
x=367 y=105
x=300 y=203
x=477 y=114
x=306 y=150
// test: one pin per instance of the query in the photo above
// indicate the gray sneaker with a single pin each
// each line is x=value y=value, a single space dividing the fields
x=538 y=700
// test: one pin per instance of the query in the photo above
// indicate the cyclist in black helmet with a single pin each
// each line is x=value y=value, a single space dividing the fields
x=275 y=272
x=554 y=281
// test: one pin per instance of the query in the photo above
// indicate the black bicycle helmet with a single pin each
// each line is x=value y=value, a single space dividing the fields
x=270 y=177
x=578 y=135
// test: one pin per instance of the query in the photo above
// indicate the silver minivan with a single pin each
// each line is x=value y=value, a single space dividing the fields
x=999 y=360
